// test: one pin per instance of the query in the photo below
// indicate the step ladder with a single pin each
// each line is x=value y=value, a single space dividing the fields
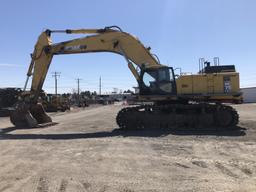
x=210 y=84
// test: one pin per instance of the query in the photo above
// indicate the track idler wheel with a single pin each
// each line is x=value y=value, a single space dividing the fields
x=227 y=117
x=29 y=116
x=129 y=119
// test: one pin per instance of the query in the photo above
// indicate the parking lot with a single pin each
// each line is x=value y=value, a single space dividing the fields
x=86 y=151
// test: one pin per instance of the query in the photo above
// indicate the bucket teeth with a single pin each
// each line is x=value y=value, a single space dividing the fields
x=29 y=116
x=39 y=114
x=23 y=119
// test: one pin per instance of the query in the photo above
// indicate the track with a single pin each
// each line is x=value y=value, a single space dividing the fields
x=195 y=116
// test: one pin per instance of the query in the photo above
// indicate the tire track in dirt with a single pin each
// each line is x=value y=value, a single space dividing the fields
x=181 y=165
x=225 y=170
x=126 y=189
x=42 y=185
x=8 y=186
x=200 y=164
x=103 y=188
x=47 y=184
x=248 y=172
x=63 y=185
x=208 y=161
x=86 y=185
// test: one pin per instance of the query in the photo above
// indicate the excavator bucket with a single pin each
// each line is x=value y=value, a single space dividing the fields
x=30 y=116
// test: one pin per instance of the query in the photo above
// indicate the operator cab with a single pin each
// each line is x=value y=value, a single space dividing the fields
x=157 y=81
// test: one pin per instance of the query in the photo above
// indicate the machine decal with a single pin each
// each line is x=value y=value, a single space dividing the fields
x=75 y=48
x=227 y=84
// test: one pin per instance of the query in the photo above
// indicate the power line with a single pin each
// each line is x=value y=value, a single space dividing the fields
x=56 y=75
x=78 y=85
x=100 y=86
x=78 y=89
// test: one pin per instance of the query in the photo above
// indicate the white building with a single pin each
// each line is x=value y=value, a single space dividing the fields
x=249 y=94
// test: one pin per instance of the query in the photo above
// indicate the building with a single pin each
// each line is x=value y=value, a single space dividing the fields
x=249 y=94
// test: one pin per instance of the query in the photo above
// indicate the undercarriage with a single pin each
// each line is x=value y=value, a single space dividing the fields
x=203 y=116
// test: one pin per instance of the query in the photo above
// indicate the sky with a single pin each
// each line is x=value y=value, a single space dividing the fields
x=178 y=31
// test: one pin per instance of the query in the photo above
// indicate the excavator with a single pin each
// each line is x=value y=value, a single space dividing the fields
x=167 y=100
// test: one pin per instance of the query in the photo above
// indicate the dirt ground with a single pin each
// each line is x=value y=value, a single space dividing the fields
x=87 y=152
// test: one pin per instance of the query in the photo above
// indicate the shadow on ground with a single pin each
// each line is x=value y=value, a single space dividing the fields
x=5 y=134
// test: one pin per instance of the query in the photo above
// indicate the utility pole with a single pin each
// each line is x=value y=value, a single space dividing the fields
x=78 y=89
x=56 y=75
x=100 y=86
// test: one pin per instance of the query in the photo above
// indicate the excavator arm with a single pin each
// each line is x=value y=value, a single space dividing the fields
x=102 y=40
x=29 y=113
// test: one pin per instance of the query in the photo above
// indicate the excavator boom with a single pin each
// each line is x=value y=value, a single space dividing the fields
x=109 y=39
x=102 y=40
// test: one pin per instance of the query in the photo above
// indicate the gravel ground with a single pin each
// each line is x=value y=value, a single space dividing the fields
x=87 y=152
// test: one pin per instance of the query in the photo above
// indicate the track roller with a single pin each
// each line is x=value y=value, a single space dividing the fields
x=201 y=116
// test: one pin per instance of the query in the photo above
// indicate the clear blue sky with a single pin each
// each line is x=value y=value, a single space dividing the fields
x=178 y=31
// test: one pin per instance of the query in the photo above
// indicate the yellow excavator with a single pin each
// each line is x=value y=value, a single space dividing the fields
x=168 y=101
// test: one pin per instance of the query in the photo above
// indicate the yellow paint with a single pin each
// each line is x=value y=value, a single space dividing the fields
x=213 y=84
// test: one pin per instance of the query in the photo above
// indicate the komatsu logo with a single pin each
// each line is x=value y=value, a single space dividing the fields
x=75 y=48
